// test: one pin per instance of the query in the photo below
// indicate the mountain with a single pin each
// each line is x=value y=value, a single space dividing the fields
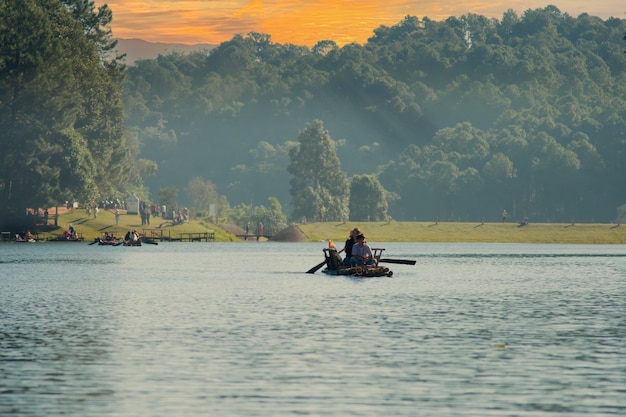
x=136 y=49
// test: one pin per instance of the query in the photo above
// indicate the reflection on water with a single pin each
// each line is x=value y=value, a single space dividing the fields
x=239 y=329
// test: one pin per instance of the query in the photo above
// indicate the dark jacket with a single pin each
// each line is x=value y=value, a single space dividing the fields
x=348 y=247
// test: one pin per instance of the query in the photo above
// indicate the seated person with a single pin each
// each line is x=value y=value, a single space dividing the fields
x=362 y=253
x=349 y=244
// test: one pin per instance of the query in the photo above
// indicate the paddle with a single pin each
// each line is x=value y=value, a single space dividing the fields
x=398 y=261
x=318 y=266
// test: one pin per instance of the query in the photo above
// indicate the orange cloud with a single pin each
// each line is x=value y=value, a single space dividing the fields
x=303 y=22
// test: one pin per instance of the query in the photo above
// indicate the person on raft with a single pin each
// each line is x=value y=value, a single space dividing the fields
x=362 y=253
x=347 y=248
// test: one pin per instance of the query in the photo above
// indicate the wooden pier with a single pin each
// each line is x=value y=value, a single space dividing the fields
x=253 y=237
x=208 y=236
x=166 y=236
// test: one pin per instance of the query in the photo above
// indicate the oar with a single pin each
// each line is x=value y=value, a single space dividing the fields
x=321 y=264
x=398 y=261
x=316 y=267
x=94 y=241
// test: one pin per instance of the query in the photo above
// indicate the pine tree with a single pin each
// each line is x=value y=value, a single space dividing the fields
x=319 y=188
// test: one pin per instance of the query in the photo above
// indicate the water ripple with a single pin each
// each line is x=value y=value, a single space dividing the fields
x=186 y=330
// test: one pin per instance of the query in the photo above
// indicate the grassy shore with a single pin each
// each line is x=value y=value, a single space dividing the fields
x=470 y=232
x=90 y=228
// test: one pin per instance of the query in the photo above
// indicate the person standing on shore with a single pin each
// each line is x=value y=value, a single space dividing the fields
x=117 y=217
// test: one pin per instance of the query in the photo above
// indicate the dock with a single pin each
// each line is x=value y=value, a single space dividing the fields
x=166 y=236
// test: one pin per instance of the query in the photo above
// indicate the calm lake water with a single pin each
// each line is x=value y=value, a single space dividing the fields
x=238 y=329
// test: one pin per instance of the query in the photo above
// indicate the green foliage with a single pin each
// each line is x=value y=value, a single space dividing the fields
x=367 y=199
x=458 y=118
x=61 y=110
x=318 y=185
x=202 y=193
x=272 y=217
x=241 y=215
x=78 y=173
x=168 y=197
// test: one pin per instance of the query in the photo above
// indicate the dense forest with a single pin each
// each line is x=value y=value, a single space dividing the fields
x=61 y=109
x=458 y=119
x=452 y=120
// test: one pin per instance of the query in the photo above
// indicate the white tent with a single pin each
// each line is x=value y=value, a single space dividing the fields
x=132 y=204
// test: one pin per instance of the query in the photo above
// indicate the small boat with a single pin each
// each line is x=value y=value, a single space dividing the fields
x=107 y=242
x=361 y=271
x=139 y=242
x=335 y=267
x=21 y=239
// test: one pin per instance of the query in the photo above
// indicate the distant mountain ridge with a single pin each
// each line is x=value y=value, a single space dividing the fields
x=136 y=49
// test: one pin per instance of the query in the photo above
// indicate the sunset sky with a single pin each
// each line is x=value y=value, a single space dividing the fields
x=304 y=22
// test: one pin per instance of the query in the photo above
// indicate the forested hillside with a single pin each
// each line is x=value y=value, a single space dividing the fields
x=459 y=119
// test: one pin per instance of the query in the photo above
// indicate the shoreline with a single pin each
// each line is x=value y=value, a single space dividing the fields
x=393 y=231
x=468 y=232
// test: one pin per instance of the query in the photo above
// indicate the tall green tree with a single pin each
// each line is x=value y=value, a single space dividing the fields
x=319 y=186
x=272 y=217
x=168 y=197
x=202 y=193
x=61 y=114
x=368 y=201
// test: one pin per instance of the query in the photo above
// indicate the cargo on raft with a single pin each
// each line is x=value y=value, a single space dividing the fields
x=334 y=266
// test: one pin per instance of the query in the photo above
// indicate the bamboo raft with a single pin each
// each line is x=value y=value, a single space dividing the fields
x=334 y=266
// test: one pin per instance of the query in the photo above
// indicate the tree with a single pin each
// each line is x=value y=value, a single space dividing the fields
x=168 y=197
x=367 y=199
x=62 y=115
x=240 y=214
x=272 y=217
x=324 y=47
x=202 y=193
x=318 y=184
x=462 y=90
x=36 y=100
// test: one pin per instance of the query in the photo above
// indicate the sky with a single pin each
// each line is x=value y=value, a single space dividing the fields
x=305 y=22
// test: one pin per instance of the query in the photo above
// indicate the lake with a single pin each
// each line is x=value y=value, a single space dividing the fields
x=238 y=329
